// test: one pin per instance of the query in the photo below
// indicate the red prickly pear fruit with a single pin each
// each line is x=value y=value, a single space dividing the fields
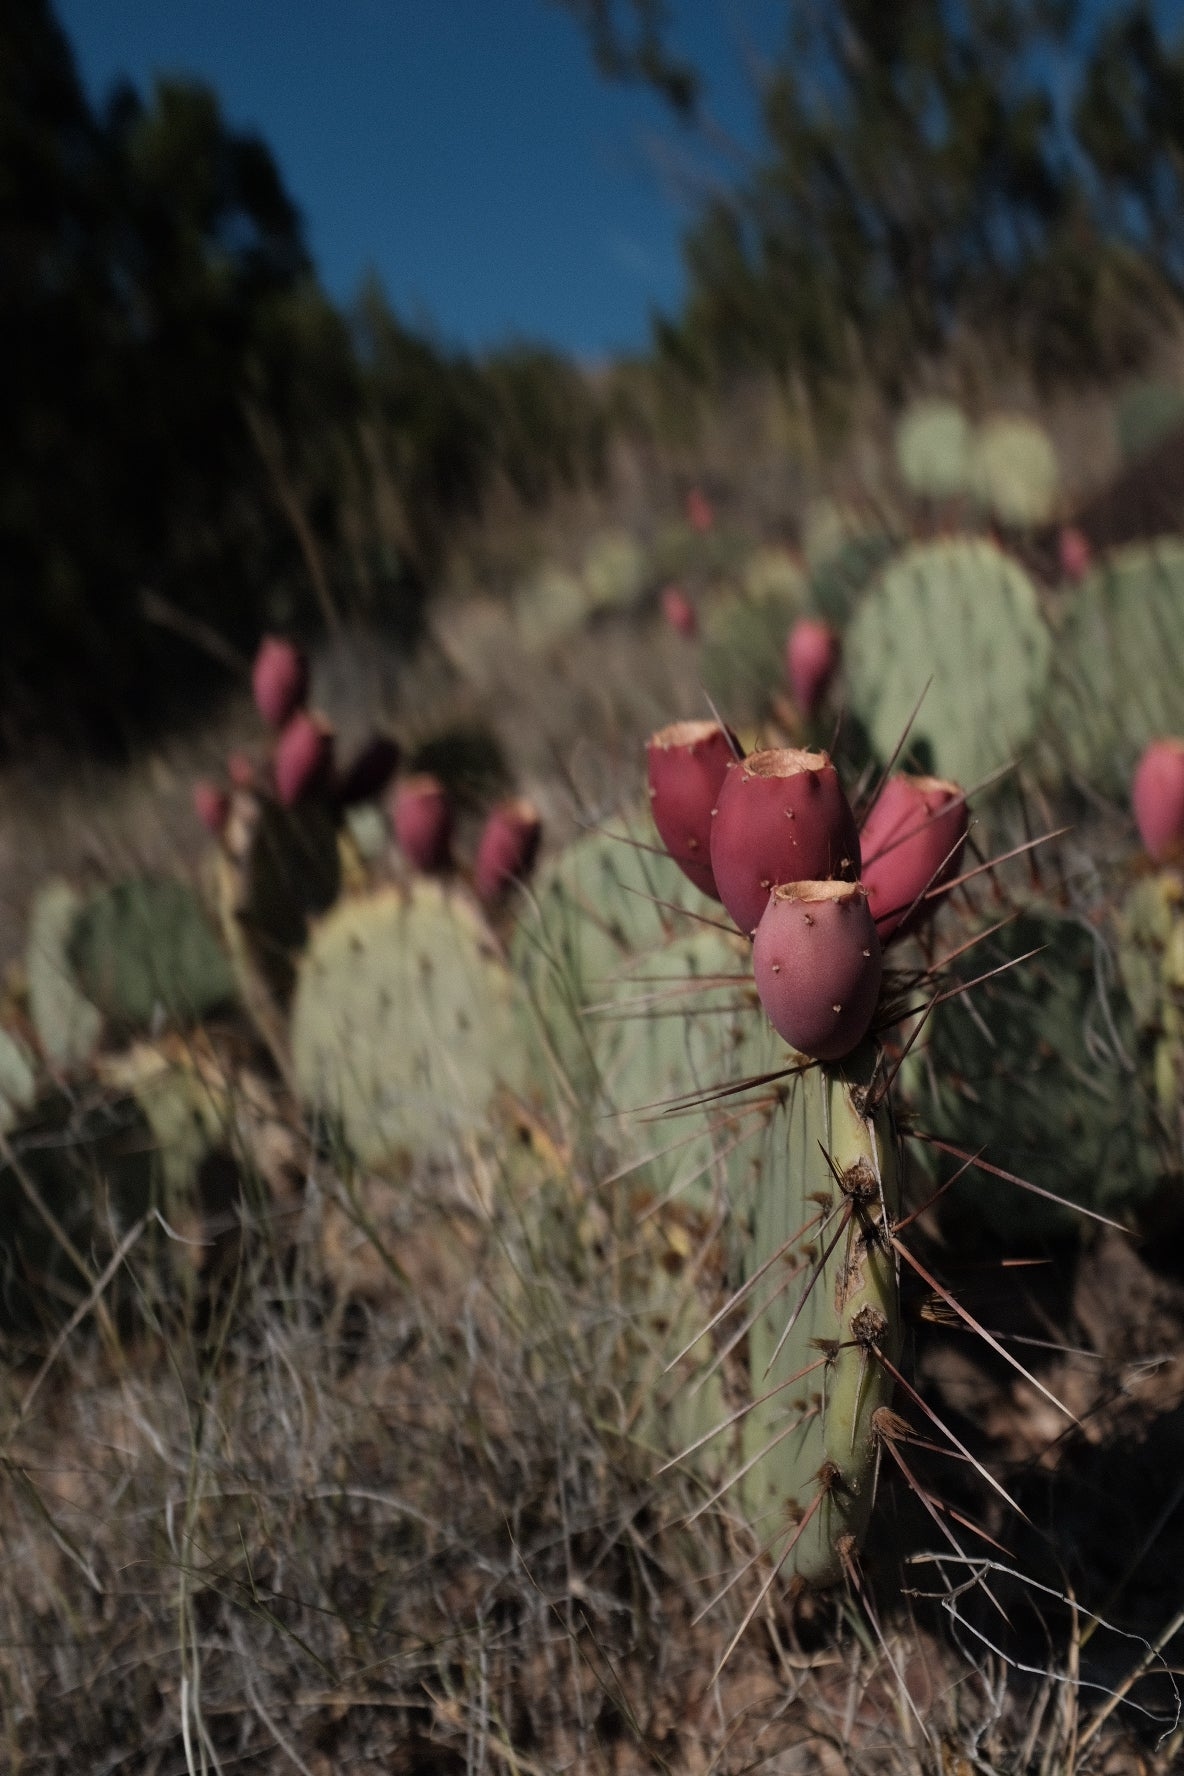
x=421 y=816
x=369 y=773
x=811 y=660
x=687 y=763
x=507 y=849
x=279 y=680
x=679 y=612
x=781 y=817
x=1157 y=797
x=1074 y=552
x=700 y=511
x=817 y=962
x=241 y=771
x=303 y=760
x=912 y=841
x=211 y=804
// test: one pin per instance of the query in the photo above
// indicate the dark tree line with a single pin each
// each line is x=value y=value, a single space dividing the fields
x=1008 y=168
x=195 y=443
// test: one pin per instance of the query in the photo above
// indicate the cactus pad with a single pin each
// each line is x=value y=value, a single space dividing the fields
x=1117 y=682
x=963 y=618
x=933 y=448
x=1014 y=470
x=404 y=1022
x=143 y=948
x=1042 y=1068
x=68 y=1026
x=812 y=1445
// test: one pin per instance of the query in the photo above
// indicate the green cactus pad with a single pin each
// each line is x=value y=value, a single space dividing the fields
x=143 y=949
x=813 y=1446
x=742 y=663
x=1014 y=470
x=614 y=571
x=933 y=449
x=1117 y=681
x=1037 y=1068
x=962 y=618
x=551 y=605
x=827 y=527
x=404 y=1023
x=836 y=586
x=1151 y=959
x=18 y=1080
x=68 y=1025
x=774 y=573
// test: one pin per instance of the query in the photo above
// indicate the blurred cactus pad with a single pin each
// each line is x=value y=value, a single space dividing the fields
x=948 y=651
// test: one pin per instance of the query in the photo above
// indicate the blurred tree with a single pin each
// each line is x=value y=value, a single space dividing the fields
x=629 y=43
x=920 y=177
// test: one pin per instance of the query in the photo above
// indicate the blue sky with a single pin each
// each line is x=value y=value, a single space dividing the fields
x=465 y=149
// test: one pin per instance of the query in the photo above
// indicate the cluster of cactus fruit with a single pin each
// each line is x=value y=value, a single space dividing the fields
x=773 y=837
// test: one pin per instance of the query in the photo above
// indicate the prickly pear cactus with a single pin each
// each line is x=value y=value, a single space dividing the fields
x=144 y=949
x=551 y=605
x=743 y=656
x=598 y=909
x=1117 y=682
x=18 y=1079
x=277 y=869
x=962 y=619
x=933 y=449
x=1041 y=1066
x=771 y=572
x=68 y=1025
x=614 y=571
x=1151 y=960
x=1014 y=470
x=825 y=1195
x=836 y=586
x=405 y=1023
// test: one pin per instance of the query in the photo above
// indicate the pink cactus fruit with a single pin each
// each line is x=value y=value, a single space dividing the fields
x=817 y=962
x=811 y=660
x=687 y=764
x=781 y=816
x=369 y=772
x=679 y=612
x=1157 y=797
x=1075 y=554
x=700 y=511
x=421 y=816
x=507 y=848
x=912 y=841
x=241 y=771
x=279 y=680
x=303 y=758
x=211 y=804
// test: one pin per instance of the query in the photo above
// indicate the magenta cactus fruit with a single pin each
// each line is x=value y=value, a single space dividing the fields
x=368 y=773
x=811 y=660
x=241 y=771
x=687 y=764
x=1074 y=553
x=211 y=804
x=679 y=612
x=912 y=841
x=303 y=759
x=279 y=680
x=1157 y=797
x=507 y=848
x=700 y=511
x=781 y=817
x=817 y=962
x=421 y=816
